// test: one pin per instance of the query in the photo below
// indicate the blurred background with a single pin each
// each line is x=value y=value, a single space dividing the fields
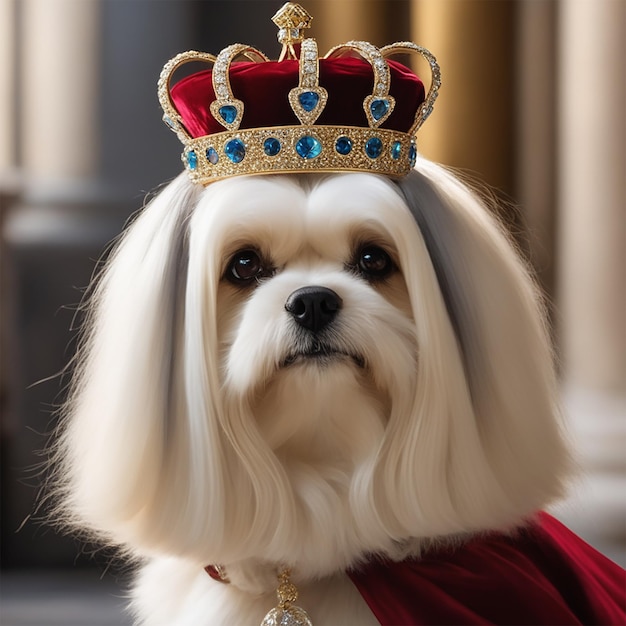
x=533 y=104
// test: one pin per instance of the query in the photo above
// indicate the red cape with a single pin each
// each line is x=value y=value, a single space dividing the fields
x=543 y=574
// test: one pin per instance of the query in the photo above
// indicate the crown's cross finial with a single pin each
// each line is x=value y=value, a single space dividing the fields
x=291 y=20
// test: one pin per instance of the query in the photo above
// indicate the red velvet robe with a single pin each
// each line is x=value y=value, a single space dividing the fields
x=542 y=574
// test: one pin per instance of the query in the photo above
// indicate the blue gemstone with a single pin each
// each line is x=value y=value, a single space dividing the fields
x=308 y=100
x=192 y=160
x=412 y=154
x=212 y=155
x=379 y=108
x=373 y=147
x=343 y=145
x=308 y=147
x=235 y=150
x=271 y=146
x=396 y=149
x=228 y=113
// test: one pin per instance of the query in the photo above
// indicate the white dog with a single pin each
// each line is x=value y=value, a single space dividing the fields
x=332 y=379
x=303 y=371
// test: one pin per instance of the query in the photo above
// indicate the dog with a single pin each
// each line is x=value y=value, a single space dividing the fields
x=306 y=370
x=316 y=366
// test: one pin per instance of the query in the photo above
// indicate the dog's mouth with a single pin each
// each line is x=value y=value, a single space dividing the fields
x=321 y=354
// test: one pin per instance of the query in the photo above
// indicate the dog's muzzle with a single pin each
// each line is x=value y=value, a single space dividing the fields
x=313 y=307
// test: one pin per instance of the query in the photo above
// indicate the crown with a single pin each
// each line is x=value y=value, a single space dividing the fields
x=352 y=110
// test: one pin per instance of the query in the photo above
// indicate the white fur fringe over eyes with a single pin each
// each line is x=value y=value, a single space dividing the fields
x=195 y=429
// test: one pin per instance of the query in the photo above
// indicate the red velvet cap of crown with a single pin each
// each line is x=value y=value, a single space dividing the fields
x=263 y=88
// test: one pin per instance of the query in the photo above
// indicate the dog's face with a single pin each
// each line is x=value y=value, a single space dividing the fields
x=308 y=320
x=315 y=321
x=309 y=369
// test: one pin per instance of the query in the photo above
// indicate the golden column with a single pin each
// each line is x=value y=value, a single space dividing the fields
x=473 y=127
x=338 y=21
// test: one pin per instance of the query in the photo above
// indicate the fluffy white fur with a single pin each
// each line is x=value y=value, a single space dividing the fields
x=188 y=441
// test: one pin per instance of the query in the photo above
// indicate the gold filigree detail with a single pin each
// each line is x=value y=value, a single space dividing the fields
x=286 y=613
x=291 y=19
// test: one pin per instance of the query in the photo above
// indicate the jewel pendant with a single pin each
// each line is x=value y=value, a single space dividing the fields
x=286 y=613
x=292 y=616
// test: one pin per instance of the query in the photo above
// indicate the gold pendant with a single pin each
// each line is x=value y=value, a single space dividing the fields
x=286 y=613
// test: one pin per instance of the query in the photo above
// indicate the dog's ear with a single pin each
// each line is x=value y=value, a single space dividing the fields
x=146 y=454
x=485 y=446
x=112 y=449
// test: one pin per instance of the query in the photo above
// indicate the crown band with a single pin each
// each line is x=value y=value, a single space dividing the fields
x=219 y=115
x=292 y=149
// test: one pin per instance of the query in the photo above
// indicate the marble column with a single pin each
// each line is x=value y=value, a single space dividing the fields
x=48 y=238
x=592 y=257
x=7 y=89
x=592 y=191
x=60 y=50
x=89 y=144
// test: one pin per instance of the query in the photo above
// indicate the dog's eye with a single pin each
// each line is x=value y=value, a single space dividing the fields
x=245 y=267
x=373 y=262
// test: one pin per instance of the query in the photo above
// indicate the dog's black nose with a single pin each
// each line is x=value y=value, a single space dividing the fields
x=313 y=307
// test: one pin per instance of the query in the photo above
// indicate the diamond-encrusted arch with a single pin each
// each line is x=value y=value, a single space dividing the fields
x=227 y=109
x=426 y=108
x=170 y=114
x=379 y=105
x=308 y=99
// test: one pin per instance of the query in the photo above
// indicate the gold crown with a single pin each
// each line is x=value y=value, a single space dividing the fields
x=221 y=142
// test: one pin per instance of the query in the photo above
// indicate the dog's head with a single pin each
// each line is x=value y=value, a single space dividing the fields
x=306 y=369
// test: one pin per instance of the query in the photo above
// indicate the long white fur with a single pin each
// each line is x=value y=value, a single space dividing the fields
x=187 y=443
